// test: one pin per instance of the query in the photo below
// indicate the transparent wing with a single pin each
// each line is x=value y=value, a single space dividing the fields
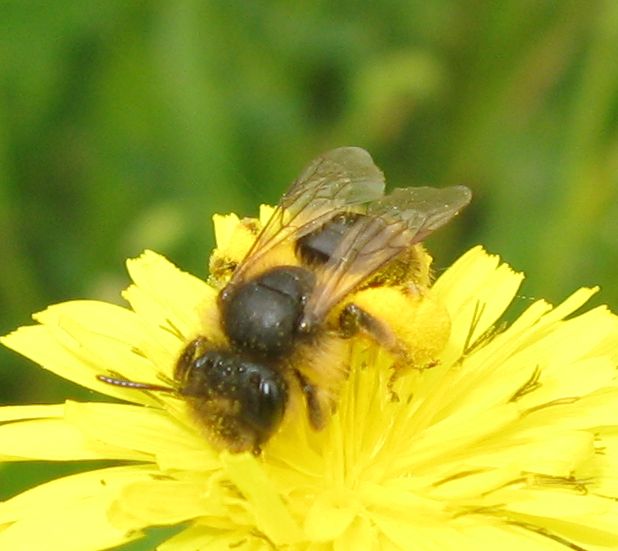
x=392 y=225
x=335 y=181
x=422 y=209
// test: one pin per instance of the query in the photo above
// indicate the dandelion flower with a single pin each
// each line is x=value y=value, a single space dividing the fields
x=509 y=438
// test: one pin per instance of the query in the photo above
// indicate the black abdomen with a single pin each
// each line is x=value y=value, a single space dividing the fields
x=318 y=246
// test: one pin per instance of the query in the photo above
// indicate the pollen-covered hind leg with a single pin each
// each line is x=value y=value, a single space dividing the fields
x=412 y=328
x=354 y=320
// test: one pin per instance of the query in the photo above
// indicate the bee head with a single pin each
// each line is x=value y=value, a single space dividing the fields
x=241 y=402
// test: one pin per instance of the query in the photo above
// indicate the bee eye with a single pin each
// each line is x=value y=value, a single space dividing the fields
x=264 y=400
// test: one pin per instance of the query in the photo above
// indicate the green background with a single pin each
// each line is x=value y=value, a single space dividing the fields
x=126 y=125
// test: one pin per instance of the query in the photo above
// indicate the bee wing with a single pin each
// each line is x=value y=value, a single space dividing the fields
x=393 y=224
x=334 y=181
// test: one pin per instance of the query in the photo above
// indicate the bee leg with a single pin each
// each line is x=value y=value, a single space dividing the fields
x=256 y=450
x=196 y=348
x=354 y=320
x=314 y=405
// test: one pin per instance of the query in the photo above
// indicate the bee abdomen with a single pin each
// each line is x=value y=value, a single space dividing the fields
x=319 y=246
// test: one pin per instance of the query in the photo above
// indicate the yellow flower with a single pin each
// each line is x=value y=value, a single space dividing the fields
x=508 y=440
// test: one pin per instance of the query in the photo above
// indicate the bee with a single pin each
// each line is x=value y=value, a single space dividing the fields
x=283 y=322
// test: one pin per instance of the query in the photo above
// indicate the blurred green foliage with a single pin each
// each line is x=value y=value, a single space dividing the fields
x=126 y=125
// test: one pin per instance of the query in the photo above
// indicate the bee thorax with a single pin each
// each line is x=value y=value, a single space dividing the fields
x=262 y=316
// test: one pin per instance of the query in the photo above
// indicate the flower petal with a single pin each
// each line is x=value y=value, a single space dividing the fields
x=116 y=338
x=476 y=290
x=51 y=438
x=328 y=517
x=361 y=534
x=170 y=299
x=21 y=413
x=160 y=502
x=68 y=514
x=55 y=349
x=234 y=239
x=271 y=515
x=207 y=538
x=143 y=430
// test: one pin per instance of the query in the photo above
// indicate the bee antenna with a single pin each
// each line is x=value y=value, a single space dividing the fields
x=133 y=384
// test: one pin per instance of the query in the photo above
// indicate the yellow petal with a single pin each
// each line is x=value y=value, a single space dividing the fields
x=68 y=514
x=593 y=410
x=471 y=477
x=565 y=505
x=328 y=517
x=224 y=225
x=487 y=532
x=160 y=503
x=596 y=531
x=361 y=534
x=144 y=430
x=170 y=299
x=210 y=539
x=440 y=440
x=426 y=534
x=56 y=351
x=97 y=317
x=20 y=413
x=54 y=439
x=604 y=469
x=271 y=515
x=234 y=239
x=114 y=337
x=266 y=212
x=476 y=291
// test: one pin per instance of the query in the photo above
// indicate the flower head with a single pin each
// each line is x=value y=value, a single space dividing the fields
x=508 y=436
